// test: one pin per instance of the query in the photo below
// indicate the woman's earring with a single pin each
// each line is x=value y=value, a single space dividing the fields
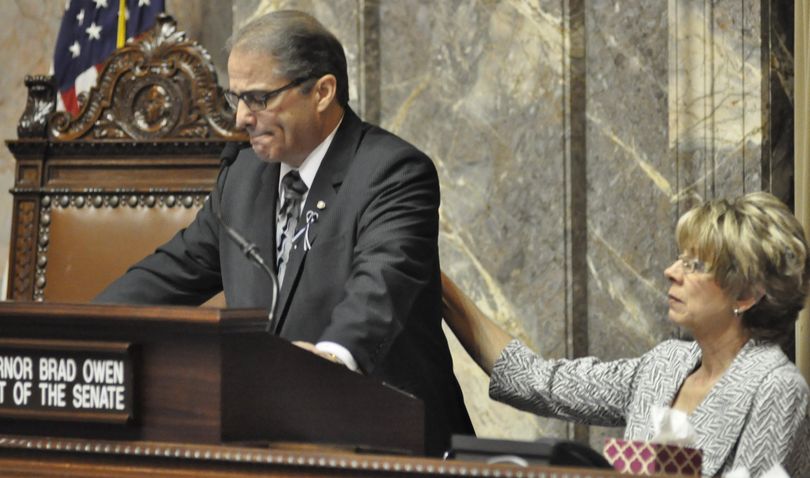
x=737 y=312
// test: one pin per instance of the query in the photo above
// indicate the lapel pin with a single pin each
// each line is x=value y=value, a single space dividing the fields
x=321 y=205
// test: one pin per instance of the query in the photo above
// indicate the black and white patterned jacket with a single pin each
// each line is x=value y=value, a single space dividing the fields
x=755 y=415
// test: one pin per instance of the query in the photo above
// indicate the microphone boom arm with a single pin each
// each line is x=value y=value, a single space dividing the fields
x=250 y=250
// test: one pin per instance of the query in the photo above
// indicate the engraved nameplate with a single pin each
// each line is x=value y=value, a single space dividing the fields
x=66 y=380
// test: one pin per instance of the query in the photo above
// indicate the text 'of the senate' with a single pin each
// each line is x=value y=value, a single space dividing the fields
x=41 y=377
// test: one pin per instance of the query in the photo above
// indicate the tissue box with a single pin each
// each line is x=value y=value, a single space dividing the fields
x=644 y=458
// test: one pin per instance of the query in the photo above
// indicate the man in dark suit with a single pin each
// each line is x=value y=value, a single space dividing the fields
x=348 y=211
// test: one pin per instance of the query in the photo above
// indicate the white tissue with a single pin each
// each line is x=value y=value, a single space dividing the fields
x=776 y=471
x=737 y=473
x=672 y=427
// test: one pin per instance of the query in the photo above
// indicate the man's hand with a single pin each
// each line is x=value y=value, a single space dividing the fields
x=311 y=347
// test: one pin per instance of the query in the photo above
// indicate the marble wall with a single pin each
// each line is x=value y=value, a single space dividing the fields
x=568 y=135
x=631 y=204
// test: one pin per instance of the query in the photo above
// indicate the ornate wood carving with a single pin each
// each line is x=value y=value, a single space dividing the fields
x=39 y=106
x=64 y=149
x=80 y=457
x=164 y=87
x=24 y=250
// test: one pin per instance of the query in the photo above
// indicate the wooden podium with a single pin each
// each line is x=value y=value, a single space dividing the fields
x=186 y=375
x=189 y=392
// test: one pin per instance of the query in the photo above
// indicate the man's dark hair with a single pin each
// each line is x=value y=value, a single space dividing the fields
x=301 y=46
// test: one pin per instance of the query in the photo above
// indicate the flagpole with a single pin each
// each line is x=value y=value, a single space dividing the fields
x=122 y=24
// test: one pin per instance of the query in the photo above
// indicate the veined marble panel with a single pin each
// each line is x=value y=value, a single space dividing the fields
x=630 y=178
x=631 y=181
x=737 y=84
x=480 y=87
x=716 y=103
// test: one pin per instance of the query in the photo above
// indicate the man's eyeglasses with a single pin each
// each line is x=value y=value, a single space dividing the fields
x=691 y=265
x=257 y=100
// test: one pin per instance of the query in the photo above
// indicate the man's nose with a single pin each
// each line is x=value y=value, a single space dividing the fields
x=244 y=117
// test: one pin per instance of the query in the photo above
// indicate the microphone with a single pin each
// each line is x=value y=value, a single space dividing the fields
x=226 y=159
x=228 y=155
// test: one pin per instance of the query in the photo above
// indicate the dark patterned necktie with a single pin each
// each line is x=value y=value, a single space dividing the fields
x=292 y=193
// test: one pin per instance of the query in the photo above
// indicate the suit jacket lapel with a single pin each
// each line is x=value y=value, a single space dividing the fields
x=671 y=379
x=264 y=201
x=260 y=230
x=669 y=367
x=723 y=412
x=324 y=190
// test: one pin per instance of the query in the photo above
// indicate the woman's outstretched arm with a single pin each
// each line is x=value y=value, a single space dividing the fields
x=481 y=337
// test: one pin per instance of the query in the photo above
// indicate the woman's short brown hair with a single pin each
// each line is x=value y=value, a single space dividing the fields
x=752 y=245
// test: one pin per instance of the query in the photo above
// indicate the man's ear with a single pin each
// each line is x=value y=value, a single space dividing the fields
x=325 y=91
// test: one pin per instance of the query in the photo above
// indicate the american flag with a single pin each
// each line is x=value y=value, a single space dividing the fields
x=89 y=35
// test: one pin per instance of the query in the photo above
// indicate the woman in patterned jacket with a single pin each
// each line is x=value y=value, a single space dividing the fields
x=737 y=287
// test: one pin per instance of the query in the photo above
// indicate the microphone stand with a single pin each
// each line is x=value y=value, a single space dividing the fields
x=250 y=250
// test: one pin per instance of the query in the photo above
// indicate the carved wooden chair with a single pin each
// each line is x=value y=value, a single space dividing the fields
x=95 y=193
